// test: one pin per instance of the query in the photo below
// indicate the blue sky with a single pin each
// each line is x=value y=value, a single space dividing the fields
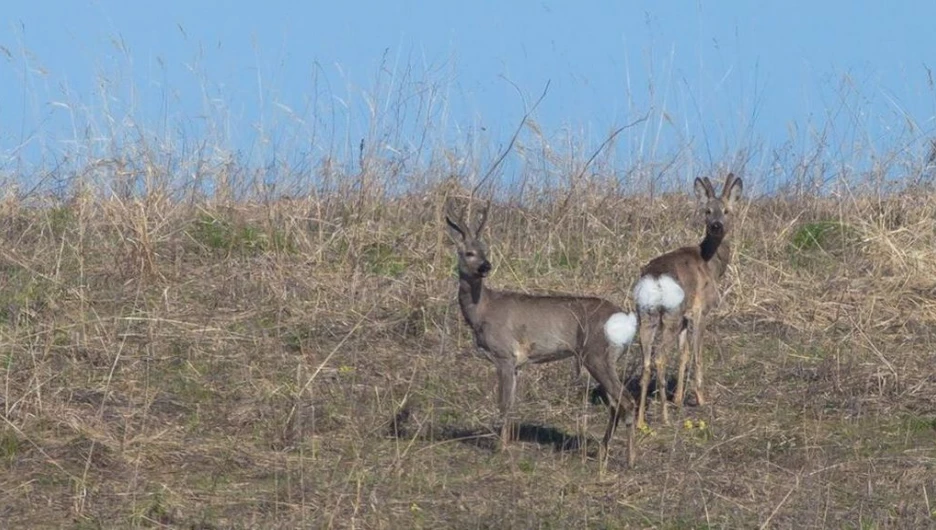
x=262 y=77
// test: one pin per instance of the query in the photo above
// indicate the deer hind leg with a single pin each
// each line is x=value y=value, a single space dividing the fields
x=648 y=330
x=620 y=403
x=683 y=345
x=698 y=331
x=506 y=394
x=668 y=338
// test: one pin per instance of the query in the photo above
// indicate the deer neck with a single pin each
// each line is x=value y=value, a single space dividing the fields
x=471 y=297
x=716 y=253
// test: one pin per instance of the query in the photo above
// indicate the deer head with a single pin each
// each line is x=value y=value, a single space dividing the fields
x=472 y=252
x=718 y=209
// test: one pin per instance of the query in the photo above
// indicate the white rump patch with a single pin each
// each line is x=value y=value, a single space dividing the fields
x=620 y=328
x=671 y=294
x=658 y=293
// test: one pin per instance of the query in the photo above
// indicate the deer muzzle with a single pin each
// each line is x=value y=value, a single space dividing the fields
x=484 y=268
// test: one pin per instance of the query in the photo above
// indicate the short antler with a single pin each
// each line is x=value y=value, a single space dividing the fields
x=455 y=221
x=484 y=216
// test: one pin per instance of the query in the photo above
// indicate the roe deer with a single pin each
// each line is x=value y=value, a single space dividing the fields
x=513 y=329
x=679 y=288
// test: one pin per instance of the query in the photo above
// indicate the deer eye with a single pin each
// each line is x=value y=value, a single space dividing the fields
x=470 y=254
x=708 y=211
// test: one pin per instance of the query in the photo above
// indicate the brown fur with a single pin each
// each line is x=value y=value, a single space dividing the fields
x=697 y=269
x=513 y=329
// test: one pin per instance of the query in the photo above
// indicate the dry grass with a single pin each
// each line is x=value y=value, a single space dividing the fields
x=302 y=363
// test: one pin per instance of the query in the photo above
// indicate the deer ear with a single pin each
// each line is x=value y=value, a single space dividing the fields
x=733 y=188
x=455 y=229
x=703 y=189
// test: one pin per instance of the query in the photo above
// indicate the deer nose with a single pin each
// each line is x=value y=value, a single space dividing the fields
x=484 y=268
x=716 y=226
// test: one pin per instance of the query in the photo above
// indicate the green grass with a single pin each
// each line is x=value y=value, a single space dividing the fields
x=814 y=240
x=237 y=237
x=9 y=446
x=919 y=425
x=382 y=259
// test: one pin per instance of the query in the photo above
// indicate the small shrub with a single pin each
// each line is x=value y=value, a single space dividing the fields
x=219 y=234
x=211 y=232
x=919 y=424
x=569 y=258
x=821 y=243
x=382 y=259
x=826 y=236
x=61 y=220
x=9 y=446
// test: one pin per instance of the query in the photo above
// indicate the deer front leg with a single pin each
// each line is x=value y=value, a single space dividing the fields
x=576 y=368
x=506 y=392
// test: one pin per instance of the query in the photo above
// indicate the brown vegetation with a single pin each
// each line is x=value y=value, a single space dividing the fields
x=302 y=362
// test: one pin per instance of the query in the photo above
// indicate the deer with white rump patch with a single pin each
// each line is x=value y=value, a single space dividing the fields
x=513 y=329
x=677 y=290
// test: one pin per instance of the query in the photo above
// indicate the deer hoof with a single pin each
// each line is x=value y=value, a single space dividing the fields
x=695 y=400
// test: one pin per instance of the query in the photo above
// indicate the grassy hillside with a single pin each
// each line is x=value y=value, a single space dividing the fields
x=213 y=363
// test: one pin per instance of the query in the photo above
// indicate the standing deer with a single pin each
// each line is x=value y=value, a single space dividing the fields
x=513 y=329
x=679 y=288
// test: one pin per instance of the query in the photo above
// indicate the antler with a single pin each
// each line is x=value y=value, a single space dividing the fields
x=455 y=221
x=484 y=215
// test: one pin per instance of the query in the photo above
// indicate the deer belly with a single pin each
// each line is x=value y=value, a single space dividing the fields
x=544 y=352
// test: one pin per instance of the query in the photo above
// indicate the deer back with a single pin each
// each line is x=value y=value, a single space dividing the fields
x=543 y=328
